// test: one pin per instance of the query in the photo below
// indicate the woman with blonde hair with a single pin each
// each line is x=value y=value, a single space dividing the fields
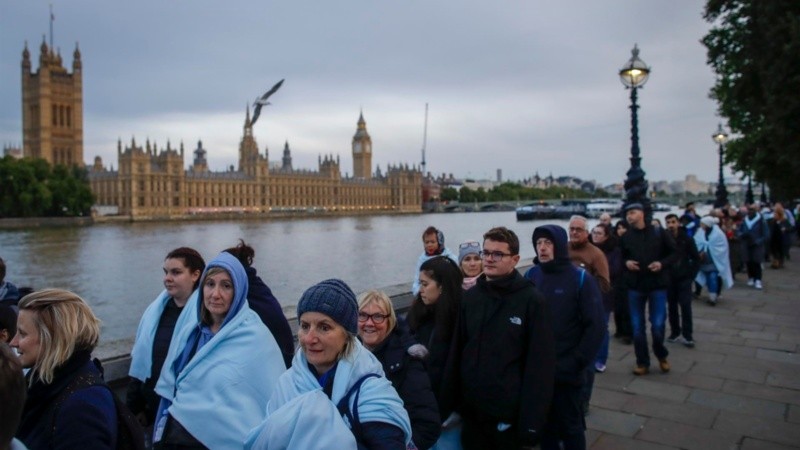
x=390 y=340
x=68 y=405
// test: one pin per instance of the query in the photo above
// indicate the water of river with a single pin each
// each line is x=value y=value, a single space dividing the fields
x=117 y=268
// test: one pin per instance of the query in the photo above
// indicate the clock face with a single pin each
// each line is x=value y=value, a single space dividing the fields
x=357 y=147
x=367 y=147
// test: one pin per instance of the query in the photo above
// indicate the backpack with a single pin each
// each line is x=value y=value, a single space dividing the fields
x=536 y=277
x=130 y=435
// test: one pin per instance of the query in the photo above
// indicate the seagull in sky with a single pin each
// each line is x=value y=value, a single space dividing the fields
x=262 y=101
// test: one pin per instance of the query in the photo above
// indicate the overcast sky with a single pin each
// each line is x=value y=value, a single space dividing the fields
x=521 y=86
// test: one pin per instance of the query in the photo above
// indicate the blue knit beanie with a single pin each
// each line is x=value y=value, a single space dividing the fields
x=335 y=299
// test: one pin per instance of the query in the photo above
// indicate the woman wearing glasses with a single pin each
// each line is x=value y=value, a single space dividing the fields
x=469 y=259
x=391 y=342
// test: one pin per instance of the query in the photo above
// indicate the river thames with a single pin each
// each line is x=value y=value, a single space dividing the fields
x=117 y=267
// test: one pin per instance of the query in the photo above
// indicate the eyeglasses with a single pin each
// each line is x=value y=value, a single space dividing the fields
x=493 y=255
x=576 y=230
x=376 y=318
x=470 y=244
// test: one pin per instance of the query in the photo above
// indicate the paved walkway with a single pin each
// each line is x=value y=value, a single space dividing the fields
x=739 y=388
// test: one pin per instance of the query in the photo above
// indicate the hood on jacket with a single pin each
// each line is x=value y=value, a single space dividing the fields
x=558 y=236
x=240 y=285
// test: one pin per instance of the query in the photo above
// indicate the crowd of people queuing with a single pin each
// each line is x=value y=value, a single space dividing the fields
x=485 y=357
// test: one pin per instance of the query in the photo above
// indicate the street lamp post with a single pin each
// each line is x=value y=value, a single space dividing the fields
x=722 y=194
x=748 y=196
x=763 y=193
x=633 y=75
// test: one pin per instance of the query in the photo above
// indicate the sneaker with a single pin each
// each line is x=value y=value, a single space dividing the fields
x=689 y=343
x=674 y=338
x=664 y=365
x=751 y=282
x=599 y=367
x=758 y=284
x=641 y=370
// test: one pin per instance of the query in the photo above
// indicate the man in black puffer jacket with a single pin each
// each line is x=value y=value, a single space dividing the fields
x=576 y=308
x=506 y=350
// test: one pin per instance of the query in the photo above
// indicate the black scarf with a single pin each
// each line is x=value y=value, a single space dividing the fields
x=41 y=395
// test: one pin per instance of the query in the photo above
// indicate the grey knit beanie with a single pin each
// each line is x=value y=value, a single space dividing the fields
x=335 y=299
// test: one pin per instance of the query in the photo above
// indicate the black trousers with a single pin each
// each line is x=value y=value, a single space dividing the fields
x=477 y=435
x=754 y=270
x=622 y=313
x=679 y=301
x=565 y=423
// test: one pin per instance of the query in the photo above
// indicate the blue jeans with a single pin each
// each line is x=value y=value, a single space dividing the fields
x=657 y=305
x=602 y=354
x=712 y=281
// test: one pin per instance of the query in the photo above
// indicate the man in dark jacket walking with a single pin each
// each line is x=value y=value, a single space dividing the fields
x=646 y=252
x=679 y=292
x=576 y=308
x=506 y=351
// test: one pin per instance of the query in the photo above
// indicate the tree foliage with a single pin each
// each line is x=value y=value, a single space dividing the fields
x=517 y=192
x=754 y=48
x=32 y=188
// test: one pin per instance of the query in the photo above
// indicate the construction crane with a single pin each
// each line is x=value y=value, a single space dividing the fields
x=424 y=141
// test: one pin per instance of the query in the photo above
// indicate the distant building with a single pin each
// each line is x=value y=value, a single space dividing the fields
x=12 y=151
x=151 y=183
x=52 y=108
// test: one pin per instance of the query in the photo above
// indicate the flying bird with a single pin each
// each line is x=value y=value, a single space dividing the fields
x=262 y=101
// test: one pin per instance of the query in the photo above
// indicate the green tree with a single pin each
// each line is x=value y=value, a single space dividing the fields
x=31 y=188
x=466 y=195
x=449 y=194
x=754 y=48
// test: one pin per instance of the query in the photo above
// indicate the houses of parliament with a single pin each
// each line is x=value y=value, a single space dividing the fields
x=154 y=183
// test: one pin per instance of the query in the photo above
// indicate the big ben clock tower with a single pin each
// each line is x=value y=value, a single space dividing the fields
x=362 y=151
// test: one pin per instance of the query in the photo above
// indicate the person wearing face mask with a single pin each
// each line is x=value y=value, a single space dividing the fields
x=182 y=269
x=469 y=259
x=390 y=340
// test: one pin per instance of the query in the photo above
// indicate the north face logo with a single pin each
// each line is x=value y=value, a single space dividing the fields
x=515 y=320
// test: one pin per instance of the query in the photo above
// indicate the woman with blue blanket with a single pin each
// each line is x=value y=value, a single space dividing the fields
x=335 y=395
x=182 y=269
x=221 y=368
x=715 y=267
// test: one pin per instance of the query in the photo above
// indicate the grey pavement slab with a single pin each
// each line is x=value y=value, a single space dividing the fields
x=765 y=429
x=614 y=422
x=650 y=388
x=794 y=414
x=738 y=404
x=730 y=372
x=757 y=444
x=694 y=380
x=608 y=399
x=763 y=335
x=785 y=345
x=778 y=356
x=762 y=391
x=612 y=442
x=788 y=381
x=674 y=411
x=669 y=433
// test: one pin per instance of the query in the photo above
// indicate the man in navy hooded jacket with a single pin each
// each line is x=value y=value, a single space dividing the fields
x=576 y=308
